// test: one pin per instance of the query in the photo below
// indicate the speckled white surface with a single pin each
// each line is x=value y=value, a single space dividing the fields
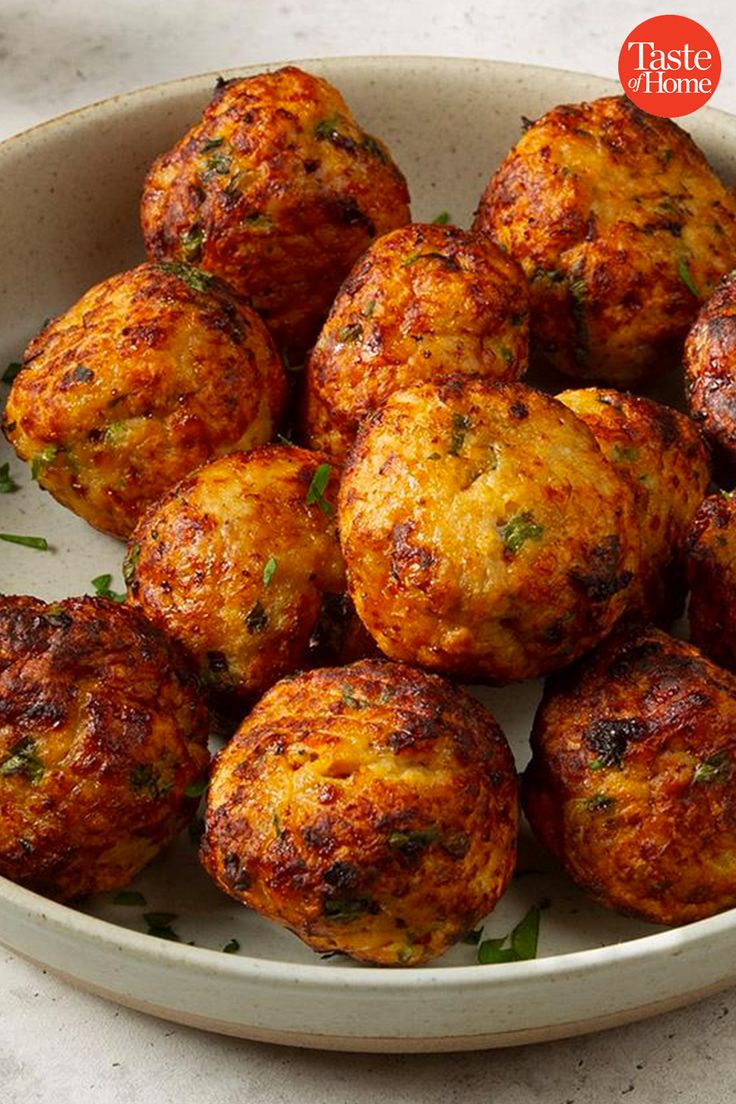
x=62 y=1046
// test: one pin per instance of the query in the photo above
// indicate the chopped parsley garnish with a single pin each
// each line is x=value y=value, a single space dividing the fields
x=23 y=760
x=413 y=840
x=352 y=700
x=460 y=426
x=219 y=163
x=194 y=278
x=269 y=570
x=600 y=801
x=159 y=923
x=625 y=454
x=102 y=588
x=212 y=144
x=686 y=276
x=129 y=897
x=345 y=910
x=191 y=243
x=716 y=768
x=39 y=543
x=350 y=333
x=414 y=257
x=196 y=789
x=231 y=947
x=257 y=620
x=441 y=219
x=144 y=778
x=316 y=492
x=522 y=940
x=369 y=309
x=7 y=483
x=518 y=530
x=42 y=459
x=327 y=128
x=130 y=563
x=11 y=371
x=577 y=290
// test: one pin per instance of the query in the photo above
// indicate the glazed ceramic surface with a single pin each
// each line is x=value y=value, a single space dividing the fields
x=68 y=210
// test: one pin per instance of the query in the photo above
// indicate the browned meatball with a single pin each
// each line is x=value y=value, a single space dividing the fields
x=485 y=534
x=277 y=190
x=632 y=783
x=371 y=809
x=424 y=302
x=663 y=458
x=150 y=374
x=712 y=573
x=622 y=228
x=241 y=564
x=710 y=373
x=101 y=734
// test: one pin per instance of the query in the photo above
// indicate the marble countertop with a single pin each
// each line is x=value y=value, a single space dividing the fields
x=60 y=1045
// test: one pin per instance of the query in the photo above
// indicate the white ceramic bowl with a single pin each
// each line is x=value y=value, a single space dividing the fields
x=68 y=211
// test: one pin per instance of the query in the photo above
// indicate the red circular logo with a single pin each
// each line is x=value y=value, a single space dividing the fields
x=669 y=65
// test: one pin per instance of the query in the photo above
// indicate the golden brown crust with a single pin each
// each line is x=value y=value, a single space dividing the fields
x=101 y=732
x=485 y=535
x=240 y=563
x=424 y=302
x=712 y=575
x=632 y=783
x=277 y=190
x=710 y=374
x=623 y=230
x=372 y=809
x=151 y=373
x=663 y=458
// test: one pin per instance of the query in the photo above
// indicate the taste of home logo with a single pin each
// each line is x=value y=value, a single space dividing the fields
x=669 y=65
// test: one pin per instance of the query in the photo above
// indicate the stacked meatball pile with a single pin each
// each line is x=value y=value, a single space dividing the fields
x=315 y=561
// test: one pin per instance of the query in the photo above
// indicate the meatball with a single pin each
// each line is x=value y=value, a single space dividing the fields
x=150 y=374
x=485 y=535
x=101 y=734
x=632 y=782
x=240 y=563
x=277 y=190
x=712 y=573
x=710 y=374
x=424 y=302
x=622 y=228
x=663 y=458
x=371 y=809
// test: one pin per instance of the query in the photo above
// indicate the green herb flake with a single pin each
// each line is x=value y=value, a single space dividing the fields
x=130 y=563
x=625 y=454
x=328 y=128
x=128 y=897
x=101 y=586
x=523 y=941
x=212 y=144
x=344 y=910
x=145 y=779
x=23 y=759
x=42 y=460
x=460 y=427
x=369 y=309
x=191 y=242
x=269 y=570
x=218 y=163
x=39 y=543
x=441 y=219
x=7 y=483
x=578 y=290
x=351 y=333
x=231 y=947
x=196 y=789
x=518 y=530
x=716 y=768
x=257 y=620
x=413 y=840
x=597 y=764
x=194 y=278
x=600 y=802
x=685 y=275
x=414 y=257
x=352 y=700
x=11 y=371
x=159 y=924
x=316 y=491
